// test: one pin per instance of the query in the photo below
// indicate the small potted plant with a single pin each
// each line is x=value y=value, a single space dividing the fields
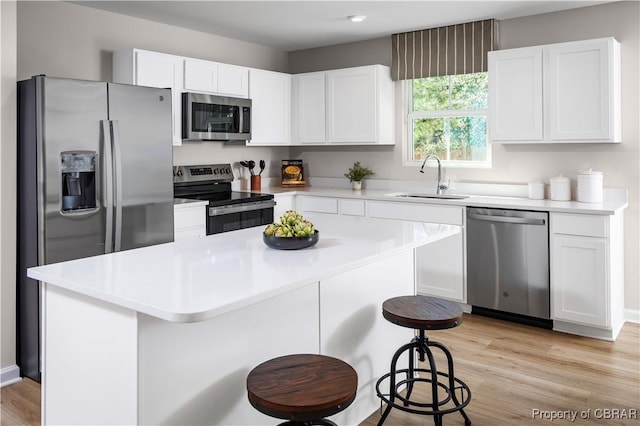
x=356 y=174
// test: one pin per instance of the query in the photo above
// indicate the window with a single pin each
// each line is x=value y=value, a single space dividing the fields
x=447 y=116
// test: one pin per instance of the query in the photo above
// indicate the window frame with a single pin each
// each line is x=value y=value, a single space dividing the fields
x=407 y=131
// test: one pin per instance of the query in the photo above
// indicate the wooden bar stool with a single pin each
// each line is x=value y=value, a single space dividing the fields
x=424 y=313
x=303 y=389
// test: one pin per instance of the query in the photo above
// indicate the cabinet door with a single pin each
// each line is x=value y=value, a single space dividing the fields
x=284 y=202
x=233 y=81
x=189 y=221
x=580 y=82
x=440 y=268
x=212 y=77
x=309 y=107
x=352 y=105
x=579 y=285
x=200 y=76
x=317 y=204
x=440 y=265
x=270 y=107
x=351 y=207
x=515 y=95
x=164 y=71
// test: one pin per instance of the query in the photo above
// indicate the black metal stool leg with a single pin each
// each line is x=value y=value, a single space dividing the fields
x=420 y=347
x=410 y=375
x=437 y=418
x=451 y=374
x=392 y=380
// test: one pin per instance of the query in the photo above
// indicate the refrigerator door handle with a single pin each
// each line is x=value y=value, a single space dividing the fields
x=117 y=172
x=107 y=185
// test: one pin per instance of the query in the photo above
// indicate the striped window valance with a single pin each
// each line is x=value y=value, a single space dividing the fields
x=455 y=49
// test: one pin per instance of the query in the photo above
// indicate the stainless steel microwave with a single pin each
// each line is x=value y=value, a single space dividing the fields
x=216 y=118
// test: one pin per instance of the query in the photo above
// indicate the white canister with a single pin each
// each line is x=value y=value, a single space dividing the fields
x=536 y=190
x=560 y=188
x=590 y=186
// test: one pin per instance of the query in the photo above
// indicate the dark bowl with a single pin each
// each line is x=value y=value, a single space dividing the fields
x=291 y=243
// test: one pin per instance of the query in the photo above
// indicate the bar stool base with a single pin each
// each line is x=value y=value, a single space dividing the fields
x=458 y=392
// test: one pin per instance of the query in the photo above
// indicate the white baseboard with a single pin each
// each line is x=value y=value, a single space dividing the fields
x=9 y=375
x=632 y=315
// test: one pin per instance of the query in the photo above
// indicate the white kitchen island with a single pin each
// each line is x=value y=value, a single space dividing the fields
x=167 y=334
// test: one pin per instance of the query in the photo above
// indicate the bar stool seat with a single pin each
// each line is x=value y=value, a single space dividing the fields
x=423 y=313
x=302 y=388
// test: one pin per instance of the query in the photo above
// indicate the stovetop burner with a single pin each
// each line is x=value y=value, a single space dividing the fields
x=226 y=198
x=212 y=183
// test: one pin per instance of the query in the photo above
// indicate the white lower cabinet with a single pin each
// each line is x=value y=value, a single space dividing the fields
x=440 y=266
x=587 y=283
x=317 y=204
x=343 y=206
x=189 y=220
x=351 y=207
x=284 y=202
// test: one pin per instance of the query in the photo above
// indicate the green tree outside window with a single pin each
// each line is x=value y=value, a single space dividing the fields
x=448 y=118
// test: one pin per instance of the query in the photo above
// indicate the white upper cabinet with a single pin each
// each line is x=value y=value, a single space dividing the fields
x=515 y=94
x=270 y=94
x=213 y=77
x=308 y=114
x=584 y=91
x=345 y=106
x=143 y=68
x=558 y=93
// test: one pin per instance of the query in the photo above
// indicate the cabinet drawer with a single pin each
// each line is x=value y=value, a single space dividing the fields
x=351 y=207
x=579 y=224
x=420 y=213
x=185 y=218
x=319 y=205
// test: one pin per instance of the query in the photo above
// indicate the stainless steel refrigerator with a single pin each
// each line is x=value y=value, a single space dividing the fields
x=94 y=176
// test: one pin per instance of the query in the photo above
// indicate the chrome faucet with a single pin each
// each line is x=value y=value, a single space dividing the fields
x=440 y=187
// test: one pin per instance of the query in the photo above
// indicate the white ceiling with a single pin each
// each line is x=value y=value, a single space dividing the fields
x=295 y=25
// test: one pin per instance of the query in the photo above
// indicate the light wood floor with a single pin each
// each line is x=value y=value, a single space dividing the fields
x=511 y=369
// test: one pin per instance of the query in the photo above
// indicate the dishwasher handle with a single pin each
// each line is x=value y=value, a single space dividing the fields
x=507 y=219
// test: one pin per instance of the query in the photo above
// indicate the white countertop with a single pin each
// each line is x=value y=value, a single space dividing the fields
x=200 y=278
x=186 y=202
x=615 y=200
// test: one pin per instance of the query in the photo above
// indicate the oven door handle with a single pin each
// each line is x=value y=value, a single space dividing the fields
x=238 y=208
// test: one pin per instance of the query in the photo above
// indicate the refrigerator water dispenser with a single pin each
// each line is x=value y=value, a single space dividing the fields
x=78 y=174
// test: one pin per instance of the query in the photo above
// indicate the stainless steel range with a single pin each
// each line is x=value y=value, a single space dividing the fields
x=228 y=210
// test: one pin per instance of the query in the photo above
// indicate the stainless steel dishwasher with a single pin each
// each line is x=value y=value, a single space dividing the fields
x=508 y=263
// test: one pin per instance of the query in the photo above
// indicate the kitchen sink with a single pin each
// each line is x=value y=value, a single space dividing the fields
x=421 y=195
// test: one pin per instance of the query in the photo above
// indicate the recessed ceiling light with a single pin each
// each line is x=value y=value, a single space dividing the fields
x=357 y=18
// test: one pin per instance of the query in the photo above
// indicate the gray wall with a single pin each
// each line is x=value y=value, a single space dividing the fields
x=66 y=40
x=515 y=163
